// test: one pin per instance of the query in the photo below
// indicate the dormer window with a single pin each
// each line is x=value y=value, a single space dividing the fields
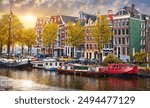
x=122 y=12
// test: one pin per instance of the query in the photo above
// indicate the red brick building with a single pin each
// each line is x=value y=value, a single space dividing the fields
x=90 y=47
x=60 y=46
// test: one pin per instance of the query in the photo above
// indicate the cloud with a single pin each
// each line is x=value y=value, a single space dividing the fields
x=144 y=8
x=69 y=7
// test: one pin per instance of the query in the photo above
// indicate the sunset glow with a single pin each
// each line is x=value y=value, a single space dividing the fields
x=28 y=20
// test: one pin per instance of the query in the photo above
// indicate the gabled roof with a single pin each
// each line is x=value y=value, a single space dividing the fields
x=66 y=19
x=129 y=10
x=88 y=16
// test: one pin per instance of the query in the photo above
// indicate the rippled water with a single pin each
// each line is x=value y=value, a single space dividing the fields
x=40 y=80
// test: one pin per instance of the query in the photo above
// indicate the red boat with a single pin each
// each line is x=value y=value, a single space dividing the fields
x=112 y=69
x=115 y=69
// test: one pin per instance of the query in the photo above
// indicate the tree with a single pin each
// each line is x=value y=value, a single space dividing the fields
x=50 y=35
x=28 y=38
x=111 y=58
x=10 y=28
x=101 y=33
x=2 y=37
x=140 y=57
x=76 y=34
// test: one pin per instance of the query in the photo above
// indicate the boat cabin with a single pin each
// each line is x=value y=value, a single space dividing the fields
x=75 y=67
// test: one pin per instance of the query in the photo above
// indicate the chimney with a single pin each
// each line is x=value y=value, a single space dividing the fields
x=132 y=10
x=110 y=12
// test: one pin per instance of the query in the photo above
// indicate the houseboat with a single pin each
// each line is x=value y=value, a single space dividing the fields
x=47 y=64
x=85 y=70
x=115 y=69
x=15 y=63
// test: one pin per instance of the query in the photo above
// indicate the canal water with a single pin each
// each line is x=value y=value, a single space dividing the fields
x=40 y=80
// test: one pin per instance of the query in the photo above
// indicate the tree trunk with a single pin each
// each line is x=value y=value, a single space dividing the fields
x=49 y=51
x=28 y=49
x=1 y=49
x=22 y=49
x=52 y=50
x=74 y=49
x=13 y=48
x=99 y=54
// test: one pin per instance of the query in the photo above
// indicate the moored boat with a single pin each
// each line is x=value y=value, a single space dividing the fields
x=15 y=63
x=47 y=64
x=85 y=70
x=116 y=69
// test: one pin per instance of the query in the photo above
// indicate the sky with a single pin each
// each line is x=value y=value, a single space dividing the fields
x=29 y=10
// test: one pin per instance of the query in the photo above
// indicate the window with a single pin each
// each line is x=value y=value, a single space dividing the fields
x=123 y=40
x=127 y=22
x=141 y=25
x=119 y=23
x=87 y=46
x=55 y=64
x=119 y=32
x=87 y=55
x=127 y=51
x=141 y=43
x=127 y=40
x=90 y=55
x=119 y=40
x=123 y=31
x=123 y=22
x=50 y=64
x=115 y=41
x=115 y=50
x=115 y=31
x=90 y=46
x=141 y=33
x=123 y=50
x=127 y=31
x=46 y=64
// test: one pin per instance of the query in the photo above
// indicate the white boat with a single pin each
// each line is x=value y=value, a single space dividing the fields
x=14 y=63
x=47 y=64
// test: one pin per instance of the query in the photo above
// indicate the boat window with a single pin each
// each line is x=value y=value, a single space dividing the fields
x=46 y=63
x=55 y=64
x=60 y=64
x=40 y=64
x=50 y=64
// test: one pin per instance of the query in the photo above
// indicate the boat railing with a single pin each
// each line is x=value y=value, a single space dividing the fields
x=117 y=66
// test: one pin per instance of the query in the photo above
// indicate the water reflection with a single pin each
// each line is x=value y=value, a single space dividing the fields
x=45 y=80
